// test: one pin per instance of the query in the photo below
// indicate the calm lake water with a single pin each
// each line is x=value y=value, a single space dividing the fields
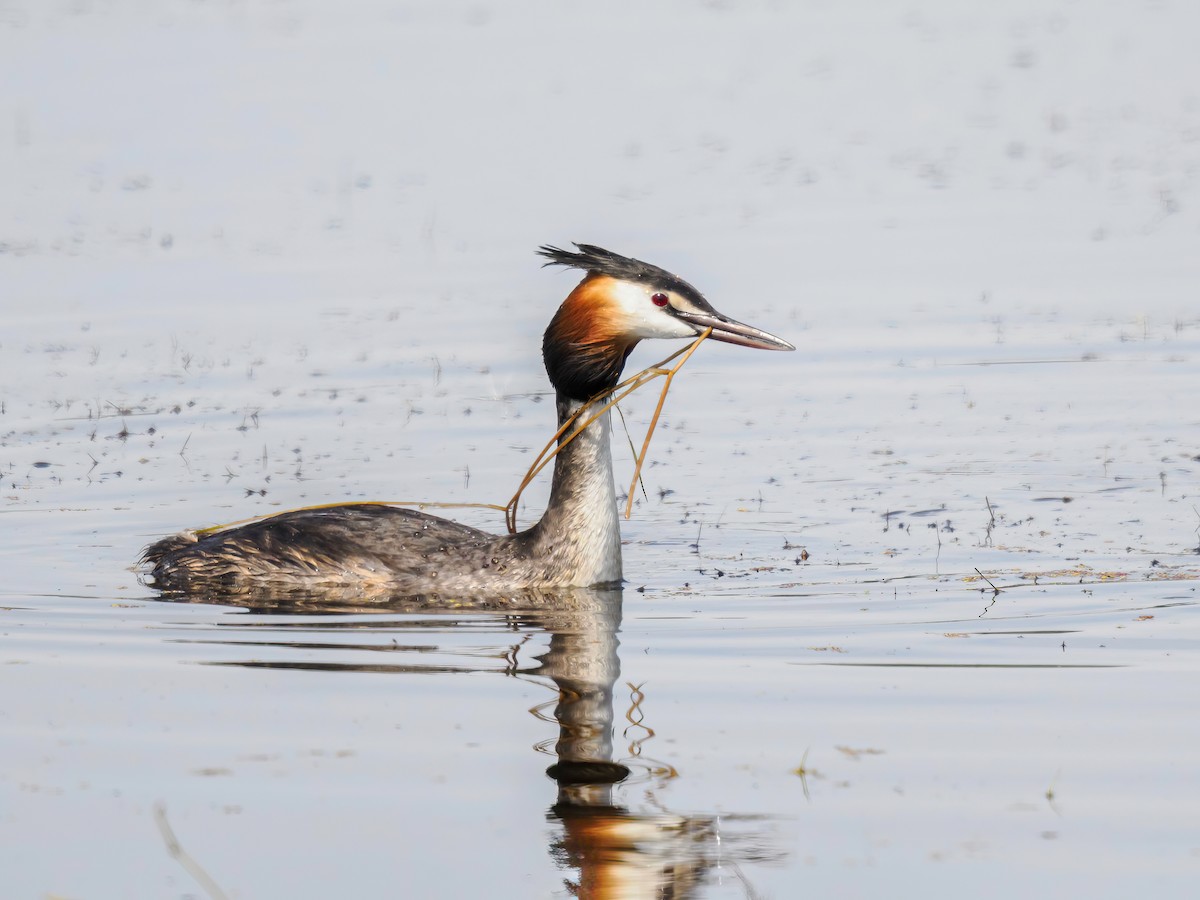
x=913 y=610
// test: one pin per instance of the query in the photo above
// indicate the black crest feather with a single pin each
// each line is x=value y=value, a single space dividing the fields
x=598 y=261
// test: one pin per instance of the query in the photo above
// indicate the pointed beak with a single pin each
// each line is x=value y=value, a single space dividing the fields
x=731 y=331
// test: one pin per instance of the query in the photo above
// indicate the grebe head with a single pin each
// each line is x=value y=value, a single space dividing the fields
x=620 y=302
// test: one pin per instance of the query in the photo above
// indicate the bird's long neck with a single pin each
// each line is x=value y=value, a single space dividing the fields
x=579 y=530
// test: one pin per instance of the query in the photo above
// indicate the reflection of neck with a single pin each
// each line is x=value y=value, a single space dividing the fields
x=579 y=532
x=583 y=663
x=616 y=854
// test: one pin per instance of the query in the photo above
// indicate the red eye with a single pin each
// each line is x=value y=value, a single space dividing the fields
x=659 y=299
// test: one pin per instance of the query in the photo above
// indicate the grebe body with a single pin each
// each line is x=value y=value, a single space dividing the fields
x=577 y=542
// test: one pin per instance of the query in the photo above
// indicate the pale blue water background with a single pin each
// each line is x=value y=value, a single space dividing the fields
x=286 y=248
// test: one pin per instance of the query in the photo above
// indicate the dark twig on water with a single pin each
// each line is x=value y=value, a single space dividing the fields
x=938 y=558
x=995 y=590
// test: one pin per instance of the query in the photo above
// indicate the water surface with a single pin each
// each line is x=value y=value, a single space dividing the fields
x=915 y=605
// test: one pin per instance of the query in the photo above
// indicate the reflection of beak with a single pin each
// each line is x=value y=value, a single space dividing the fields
x=731 y=331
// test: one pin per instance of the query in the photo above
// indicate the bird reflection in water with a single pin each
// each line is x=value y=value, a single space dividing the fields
x=615 y=853
x=609 y=850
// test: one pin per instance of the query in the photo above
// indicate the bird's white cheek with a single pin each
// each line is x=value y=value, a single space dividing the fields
x=642 y=319
x=662 y=325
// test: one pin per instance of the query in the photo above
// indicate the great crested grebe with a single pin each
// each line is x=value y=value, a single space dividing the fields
x=577 y=542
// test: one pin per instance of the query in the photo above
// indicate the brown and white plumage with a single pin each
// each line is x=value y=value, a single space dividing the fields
x=395 y=550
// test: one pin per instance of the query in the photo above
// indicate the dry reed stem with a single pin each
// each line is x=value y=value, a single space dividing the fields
x=617 y=394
